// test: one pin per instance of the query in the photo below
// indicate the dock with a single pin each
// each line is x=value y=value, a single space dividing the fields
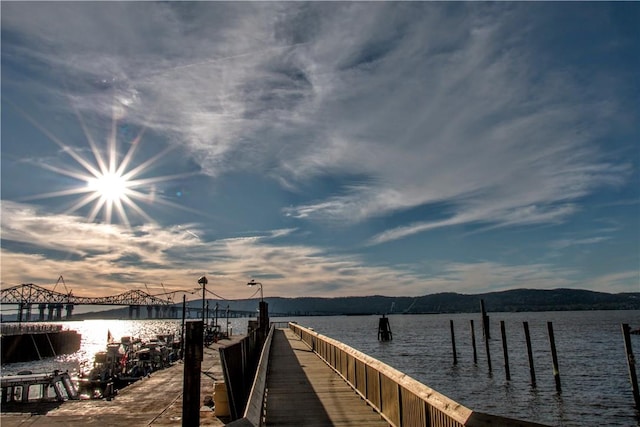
x=301 y=378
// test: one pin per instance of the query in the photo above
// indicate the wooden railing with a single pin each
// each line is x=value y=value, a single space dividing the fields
x=400 y=399
x=254 y=411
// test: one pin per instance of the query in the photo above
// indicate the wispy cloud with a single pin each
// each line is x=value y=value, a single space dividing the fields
x=566 y=243
x=121 y=258
x=470 y=121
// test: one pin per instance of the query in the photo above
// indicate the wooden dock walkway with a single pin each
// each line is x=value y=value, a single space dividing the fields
x=304 y=391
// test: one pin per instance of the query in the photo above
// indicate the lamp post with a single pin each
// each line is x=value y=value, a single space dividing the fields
x=203 y=281
x=263 y=320
x=252 y=283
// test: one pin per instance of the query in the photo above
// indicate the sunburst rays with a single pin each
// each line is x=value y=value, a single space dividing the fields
x=108 y=181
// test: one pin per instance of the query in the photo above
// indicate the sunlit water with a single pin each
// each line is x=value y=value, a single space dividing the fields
x=593 y=371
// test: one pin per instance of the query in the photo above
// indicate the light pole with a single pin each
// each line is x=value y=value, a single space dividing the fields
x=252 y=283
x=203 y=281
x=263 y=319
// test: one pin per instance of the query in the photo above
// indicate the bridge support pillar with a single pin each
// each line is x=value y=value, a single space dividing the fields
x=69 y=308
x=41 y=309
x=149 y=312
x=158 y=308
x=58 y=311
x=20 y=307
x=133 y=308
x=50 y=308
x=27 y=312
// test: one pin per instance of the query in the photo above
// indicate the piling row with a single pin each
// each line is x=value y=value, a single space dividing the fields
x=554 y=354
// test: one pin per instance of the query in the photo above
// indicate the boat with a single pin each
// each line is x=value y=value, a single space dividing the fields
x=127 y=361
x=110 y=368
x=27 y=387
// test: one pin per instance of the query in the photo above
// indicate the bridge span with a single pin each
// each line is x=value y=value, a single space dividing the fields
x=50 y=304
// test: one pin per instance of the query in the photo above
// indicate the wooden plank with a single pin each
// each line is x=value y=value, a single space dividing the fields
x=304 y=391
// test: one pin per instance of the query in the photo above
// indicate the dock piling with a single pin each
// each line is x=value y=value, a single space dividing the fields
x=631 y=363
x=453 y=343
x=554 y=357
x=485 y=321
x=486 y=346
x=532 y=370
x=384 y=329
x=505 y=350
x=473 y=342
x=194 y=348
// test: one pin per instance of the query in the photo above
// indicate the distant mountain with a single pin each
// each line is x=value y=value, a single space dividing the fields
x=448 y=302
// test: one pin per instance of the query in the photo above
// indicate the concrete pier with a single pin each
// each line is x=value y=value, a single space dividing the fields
x=152 y=401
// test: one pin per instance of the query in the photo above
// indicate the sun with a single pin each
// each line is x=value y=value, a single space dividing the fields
x=111 y=187
x=110 y=181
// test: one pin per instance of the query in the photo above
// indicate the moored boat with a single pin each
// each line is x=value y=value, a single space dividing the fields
x=28 y=387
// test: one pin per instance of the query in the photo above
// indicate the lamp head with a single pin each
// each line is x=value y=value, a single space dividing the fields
x=203 y=280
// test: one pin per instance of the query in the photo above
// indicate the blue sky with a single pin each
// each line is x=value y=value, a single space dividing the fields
x=323 y=149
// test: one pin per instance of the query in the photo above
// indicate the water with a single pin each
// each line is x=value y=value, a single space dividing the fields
x=593 y=368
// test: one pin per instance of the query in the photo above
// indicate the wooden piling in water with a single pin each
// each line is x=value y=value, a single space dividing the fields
x=631 y=364
x=554 y=357
x=485 y=321
x=532 y=370
x=486 y=346
x=473 y=342
x=384 y=329
x=505 y=351
x=453 y=343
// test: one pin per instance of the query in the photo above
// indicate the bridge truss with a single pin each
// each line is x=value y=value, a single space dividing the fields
x=34 y=294
x=28 y=296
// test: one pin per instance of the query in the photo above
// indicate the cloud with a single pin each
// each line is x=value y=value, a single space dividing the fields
x=404 y=107
x=431 y=103
x=103 y=261
x=566 y=243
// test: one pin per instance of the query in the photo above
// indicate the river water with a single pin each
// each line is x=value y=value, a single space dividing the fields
x=595 y=386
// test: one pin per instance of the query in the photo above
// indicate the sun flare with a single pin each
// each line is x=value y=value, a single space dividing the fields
x=109 y=181
x=111 y=187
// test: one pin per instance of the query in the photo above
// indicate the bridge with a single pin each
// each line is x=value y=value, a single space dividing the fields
x=50 y=303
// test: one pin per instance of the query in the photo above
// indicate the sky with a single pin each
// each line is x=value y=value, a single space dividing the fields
x=321 y=149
